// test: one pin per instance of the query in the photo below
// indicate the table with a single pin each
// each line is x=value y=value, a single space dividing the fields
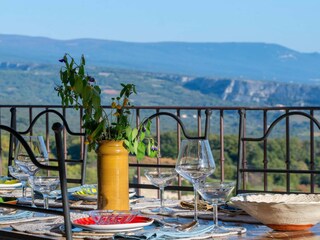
x=28 y=228
x=254 y=229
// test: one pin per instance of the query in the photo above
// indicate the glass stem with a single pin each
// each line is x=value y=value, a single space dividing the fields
x=24 y=189
x=195 y=203
x=32 y=192
x=161 y=197
x=45 y=201
x=215 y=215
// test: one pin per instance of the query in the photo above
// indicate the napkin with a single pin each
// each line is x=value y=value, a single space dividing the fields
x=57 y=193
x=202 y=205
x=18 y=215
x=165 y=233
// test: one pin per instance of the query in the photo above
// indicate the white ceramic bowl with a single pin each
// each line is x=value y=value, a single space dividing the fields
x=282 y=212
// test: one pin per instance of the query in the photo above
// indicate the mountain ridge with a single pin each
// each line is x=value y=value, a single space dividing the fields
x=257 y=61
x=162 y=71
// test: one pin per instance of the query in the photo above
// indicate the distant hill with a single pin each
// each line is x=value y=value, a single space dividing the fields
x=242 y=61
x=34 y=84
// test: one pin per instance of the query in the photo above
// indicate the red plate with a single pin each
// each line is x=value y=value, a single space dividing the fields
x=89 y=220
x=138 y=222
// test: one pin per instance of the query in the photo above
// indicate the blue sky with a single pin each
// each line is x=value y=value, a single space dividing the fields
x=291 y=23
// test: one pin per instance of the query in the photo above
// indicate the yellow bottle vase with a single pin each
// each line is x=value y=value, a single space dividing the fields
x=113 y=176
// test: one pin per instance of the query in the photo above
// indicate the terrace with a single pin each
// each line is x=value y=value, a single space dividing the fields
x=224 y=121
x=257 y=171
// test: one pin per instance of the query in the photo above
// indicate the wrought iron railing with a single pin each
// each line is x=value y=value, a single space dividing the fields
x=223 y=121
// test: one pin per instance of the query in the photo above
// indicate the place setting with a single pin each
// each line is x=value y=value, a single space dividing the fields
x=10 y=190
x=24 y=175
x=89 y=193
x=95 y=223
x=195 y=163
x=10 y=215
x=83 y=197
x=112 y=221
x=123 y=224
x=9 y=184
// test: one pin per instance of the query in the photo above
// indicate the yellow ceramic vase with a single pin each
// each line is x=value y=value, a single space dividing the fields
x=113 y=176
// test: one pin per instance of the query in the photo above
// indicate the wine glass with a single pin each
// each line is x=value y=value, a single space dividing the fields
x=216 y=193
x=17 y=173
x=22 y=158
x=195 y=162
x=45 y=185
x=161 y=177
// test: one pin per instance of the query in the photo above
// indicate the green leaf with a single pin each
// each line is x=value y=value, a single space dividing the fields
x=134 y=89
x=96 y=100
x=127 y=144
x=141 y=151
x=135 y=146
x=87 y=94
x=78 y=85
x=98 y=114
x=81 y=70
x=128 y=133
x=122 y=92
x=71 y=78
x=134 y=133
x=142 y=135
x=83 y=60
x=64 y=77
x=71 y=63
x=98 y=89
x=97 y=132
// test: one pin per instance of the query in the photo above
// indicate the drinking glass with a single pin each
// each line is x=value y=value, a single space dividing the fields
x=195 y=162
x=17 y=173
x=161 y=177
x=22 y=159
x=45 y=185
x=216 y=193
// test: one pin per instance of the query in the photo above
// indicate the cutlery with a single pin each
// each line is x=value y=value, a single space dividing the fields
x=187 y=226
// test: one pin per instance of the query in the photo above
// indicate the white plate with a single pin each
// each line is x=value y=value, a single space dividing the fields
x=113 y=227
x=131 y=194
x=108 y=230
x=87 y=197
x=10 y=186
x=93 y=197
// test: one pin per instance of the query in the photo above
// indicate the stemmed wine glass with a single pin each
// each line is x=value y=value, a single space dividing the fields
x=195 y=162
x=22 y=159
x=216 y=193
x=17 y=173
x=161 y=177
x=45 y=185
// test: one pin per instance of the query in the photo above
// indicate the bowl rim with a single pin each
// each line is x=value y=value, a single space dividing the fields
x=241 y=198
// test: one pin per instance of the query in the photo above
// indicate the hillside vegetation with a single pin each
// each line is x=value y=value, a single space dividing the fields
x=276 y=159
x=35 y=85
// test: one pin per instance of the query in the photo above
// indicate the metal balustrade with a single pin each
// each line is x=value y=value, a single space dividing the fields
x=223 y=121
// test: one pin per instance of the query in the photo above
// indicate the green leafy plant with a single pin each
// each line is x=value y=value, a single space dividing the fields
x=80 y=90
